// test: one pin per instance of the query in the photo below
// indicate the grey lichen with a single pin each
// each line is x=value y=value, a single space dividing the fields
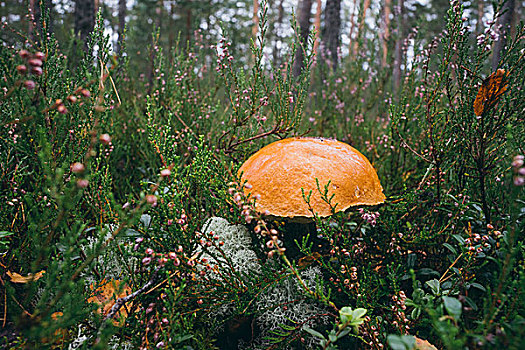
x=237 y=243
x=282 y=302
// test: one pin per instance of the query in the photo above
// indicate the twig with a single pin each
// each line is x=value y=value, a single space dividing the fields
x=121 y=301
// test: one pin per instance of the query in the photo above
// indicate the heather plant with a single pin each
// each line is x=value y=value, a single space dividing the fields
x=113 y=174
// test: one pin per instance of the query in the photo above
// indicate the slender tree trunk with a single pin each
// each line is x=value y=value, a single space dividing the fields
x=481 y=12
x=332 y=30
x=84 y=18
x=305 y=9
x=398 y=54
x=360 y=28
x=386 y=31
x=189 y=23
x=121 y=23
x=35 y=25
x=317 y=24
x=277 y=27
x=255 y=17
x=505 y=22
x=32 y=21
x=352 y=27
x=158 y=11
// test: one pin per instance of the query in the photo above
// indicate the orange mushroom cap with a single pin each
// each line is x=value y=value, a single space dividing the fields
x=276 y=174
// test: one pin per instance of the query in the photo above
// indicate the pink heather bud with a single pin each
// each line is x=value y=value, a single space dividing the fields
x=77 y=167
x=85 y=92
x=518 y=161
x=179 y=249
x=23 y=53
x=29 y=84
x=149 y=251
x=82 y=183
x=62 y=109
x=165 y=172
x=39 y=55
x=139 y=240
x=521 y=171
x=172 y=255
x=21 y=69
x=162 y=261
x=37 y=71
x=146 y=260
x=105 y=139
x=72 y=98
x=519 y=181
x=151 y=199
x=35 y=62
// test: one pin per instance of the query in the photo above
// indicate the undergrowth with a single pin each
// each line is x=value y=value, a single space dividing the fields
x=109 y=175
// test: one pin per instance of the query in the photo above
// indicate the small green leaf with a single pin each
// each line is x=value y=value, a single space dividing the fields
x=314 y=332
x=332 y=337
x=453 y=307
x=478 y=286
x=401 y=342
x=358 y=313
x=451 y=248
x=434 y=286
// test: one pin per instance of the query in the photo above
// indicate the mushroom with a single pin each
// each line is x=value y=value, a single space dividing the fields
x=278 y=173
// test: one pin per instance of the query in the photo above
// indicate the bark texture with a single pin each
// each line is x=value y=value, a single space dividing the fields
x=305 y=9
x=505 y=22
x=121 y=23
x=84 y=18
x=398 y=51
x=332 y=30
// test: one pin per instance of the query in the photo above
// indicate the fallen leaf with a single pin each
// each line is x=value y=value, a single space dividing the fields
x=423 y=345
x=18 y=278
x=490 y=91
x=106 y=296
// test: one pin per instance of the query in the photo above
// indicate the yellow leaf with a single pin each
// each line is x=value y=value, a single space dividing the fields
x=18 y=278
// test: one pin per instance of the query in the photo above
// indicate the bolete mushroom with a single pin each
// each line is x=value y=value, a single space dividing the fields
x=278 y=173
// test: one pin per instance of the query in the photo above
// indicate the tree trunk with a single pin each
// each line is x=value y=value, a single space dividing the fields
x=189 y=24
x=505 y=22
x=305 y=9
x=121 y=23
x=360 y=28
x=317 y=24
x=332 y=30
x=255 y=17
x=479 y=22
x=386 y=32
x=84 y=18
x=277 y=27
x=35 y=23
x=398 y=54
x=352 y=28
